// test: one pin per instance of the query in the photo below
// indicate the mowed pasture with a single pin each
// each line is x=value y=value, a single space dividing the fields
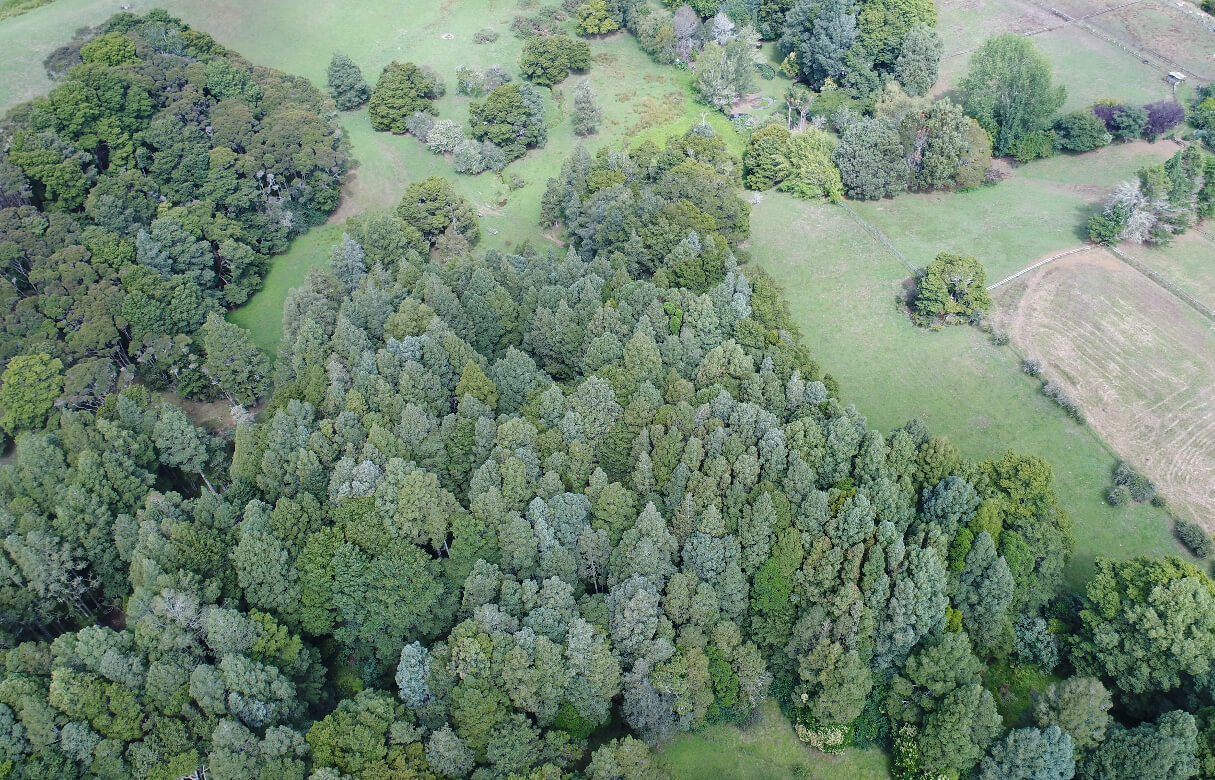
x=842 y=285
x=1140 y=362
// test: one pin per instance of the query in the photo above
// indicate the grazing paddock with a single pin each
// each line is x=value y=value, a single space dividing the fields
x=1091 y=68
x=841 y=286
x=1188 y=262
x=1181 y=34
x=1140 y=363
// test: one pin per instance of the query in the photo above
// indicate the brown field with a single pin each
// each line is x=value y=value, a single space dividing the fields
x=1140 y=363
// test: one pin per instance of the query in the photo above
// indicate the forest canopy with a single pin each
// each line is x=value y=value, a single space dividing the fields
x=146 y=191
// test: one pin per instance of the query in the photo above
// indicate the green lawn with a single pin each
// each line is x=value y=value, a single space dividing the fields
x=1188 y=262
x=841 y=287
x=766 y=748
x=1042 y=208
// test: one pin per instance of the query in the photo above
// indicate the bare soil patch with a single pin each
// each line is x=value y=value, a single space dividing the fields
x=1139 y=361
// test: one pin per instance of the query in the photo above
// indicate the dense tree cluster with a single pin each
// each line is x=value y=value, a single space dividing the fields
x=146 y=192
x=501 y=503
x=1009 y=90
x=1163 y=201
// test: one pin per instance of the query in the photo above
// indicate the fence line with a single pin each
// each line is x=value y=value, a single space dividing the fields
x=1161 y=280
x=1039 y=264
x=915 y=271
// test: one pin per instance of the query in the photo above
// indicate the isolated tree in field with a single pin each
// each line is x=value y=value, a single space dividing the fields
x=870 y=159
x=1009 y=90
x=919 y=60
x=548 y=60
x=594 y=19
x=403 y=88
x=432 y=206
x=28 y=389
x=346 y=83
x=586 y=113
x=235 y=365
x=952 y=286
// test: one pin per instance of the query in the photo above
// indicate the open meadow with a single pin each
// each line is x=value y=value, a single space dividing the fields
x=766 y=748
x=1186 y=262
x=1140 y=362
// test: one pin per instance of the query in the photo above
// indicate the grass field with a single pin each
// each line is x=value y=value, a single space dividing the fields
x=1090 y=67
x=1042 y=208
x=1176 y=31
x=1188 y=262
x=765 y=749
x=841 y=287
x=1139 y=361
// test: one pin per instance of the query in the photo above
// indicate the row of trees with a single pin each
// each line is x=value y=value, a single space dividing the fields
x=143 y=195
x=1163 y=201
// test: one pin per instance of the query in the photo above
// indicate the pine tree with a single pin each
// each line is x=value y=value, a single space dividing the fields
x=586 y=113
x=346 y=83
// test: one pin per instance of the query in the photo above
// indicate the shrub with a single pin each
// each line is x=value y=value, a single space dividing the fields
x=1162 y=116
x=1032 y=366
x=467 y=157
x=1193 y=537
x=1140 y=487
x=766 y=71
x=444 y=136
x=1080 y=131
x=419 y=125
x=1033 y=146
x=1055 y=392
x=1118 y=495
x=485 y=35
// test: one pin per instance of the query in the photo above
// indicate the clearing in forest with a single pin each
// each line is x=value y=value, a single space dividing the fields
x=1140 y=362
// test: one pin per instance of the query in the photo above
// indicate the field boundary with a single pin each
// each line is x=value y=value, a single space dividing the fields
x=1164 y=282
x=873 y=231
x=1039 y=264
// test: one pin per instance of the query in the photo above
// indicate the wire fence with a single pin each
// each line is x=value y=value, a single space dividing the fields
x=1038 y=264
x=915 y=270
x=1161 y=280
